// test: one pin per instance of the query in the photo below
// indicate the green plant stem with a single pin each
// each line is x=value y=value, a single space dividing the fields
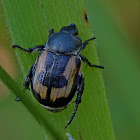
x=34 y=108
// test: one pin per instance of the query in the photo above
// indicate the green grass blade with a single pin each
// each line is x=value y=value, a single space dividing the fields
x=29 y=22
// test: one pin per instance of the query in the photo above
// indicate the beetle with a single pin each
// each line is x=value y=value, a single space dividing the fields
x=56 y=76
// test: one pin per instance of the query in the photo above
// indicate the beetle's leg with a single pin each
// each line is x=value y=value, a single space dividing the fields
x=78 y=99
x=26 y=83
x=34 y=49
x=84 y=59
x=51 y=31
x=28 y=79
x=86 y=42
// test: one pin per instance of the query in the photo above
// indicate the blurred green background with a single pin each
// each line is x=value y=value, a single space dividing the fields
x=116 y=24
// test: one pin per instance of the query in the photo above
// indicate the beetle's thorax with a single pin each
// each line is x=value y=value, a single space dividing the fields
x=63 y=42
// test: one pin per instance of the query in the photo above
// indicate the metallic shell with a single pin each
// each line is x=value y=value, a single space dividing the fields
x=64 y=43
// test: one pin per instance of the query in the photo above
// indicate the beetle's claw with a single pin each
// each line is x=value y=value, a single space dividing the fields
x=14 y=46
x=66 y=126
x=74 y=101
x=26 y=87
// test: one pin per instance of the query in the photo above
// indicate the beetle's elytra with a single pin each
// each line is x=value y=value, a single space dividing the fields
x=56 y=75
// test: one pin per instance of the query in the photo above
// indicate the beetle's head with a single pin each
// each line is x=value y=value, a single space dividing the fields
x=70 y=29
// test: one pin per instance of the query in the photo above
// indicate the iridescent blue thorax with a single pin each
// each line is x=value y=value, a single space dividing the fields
x=64 y=43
